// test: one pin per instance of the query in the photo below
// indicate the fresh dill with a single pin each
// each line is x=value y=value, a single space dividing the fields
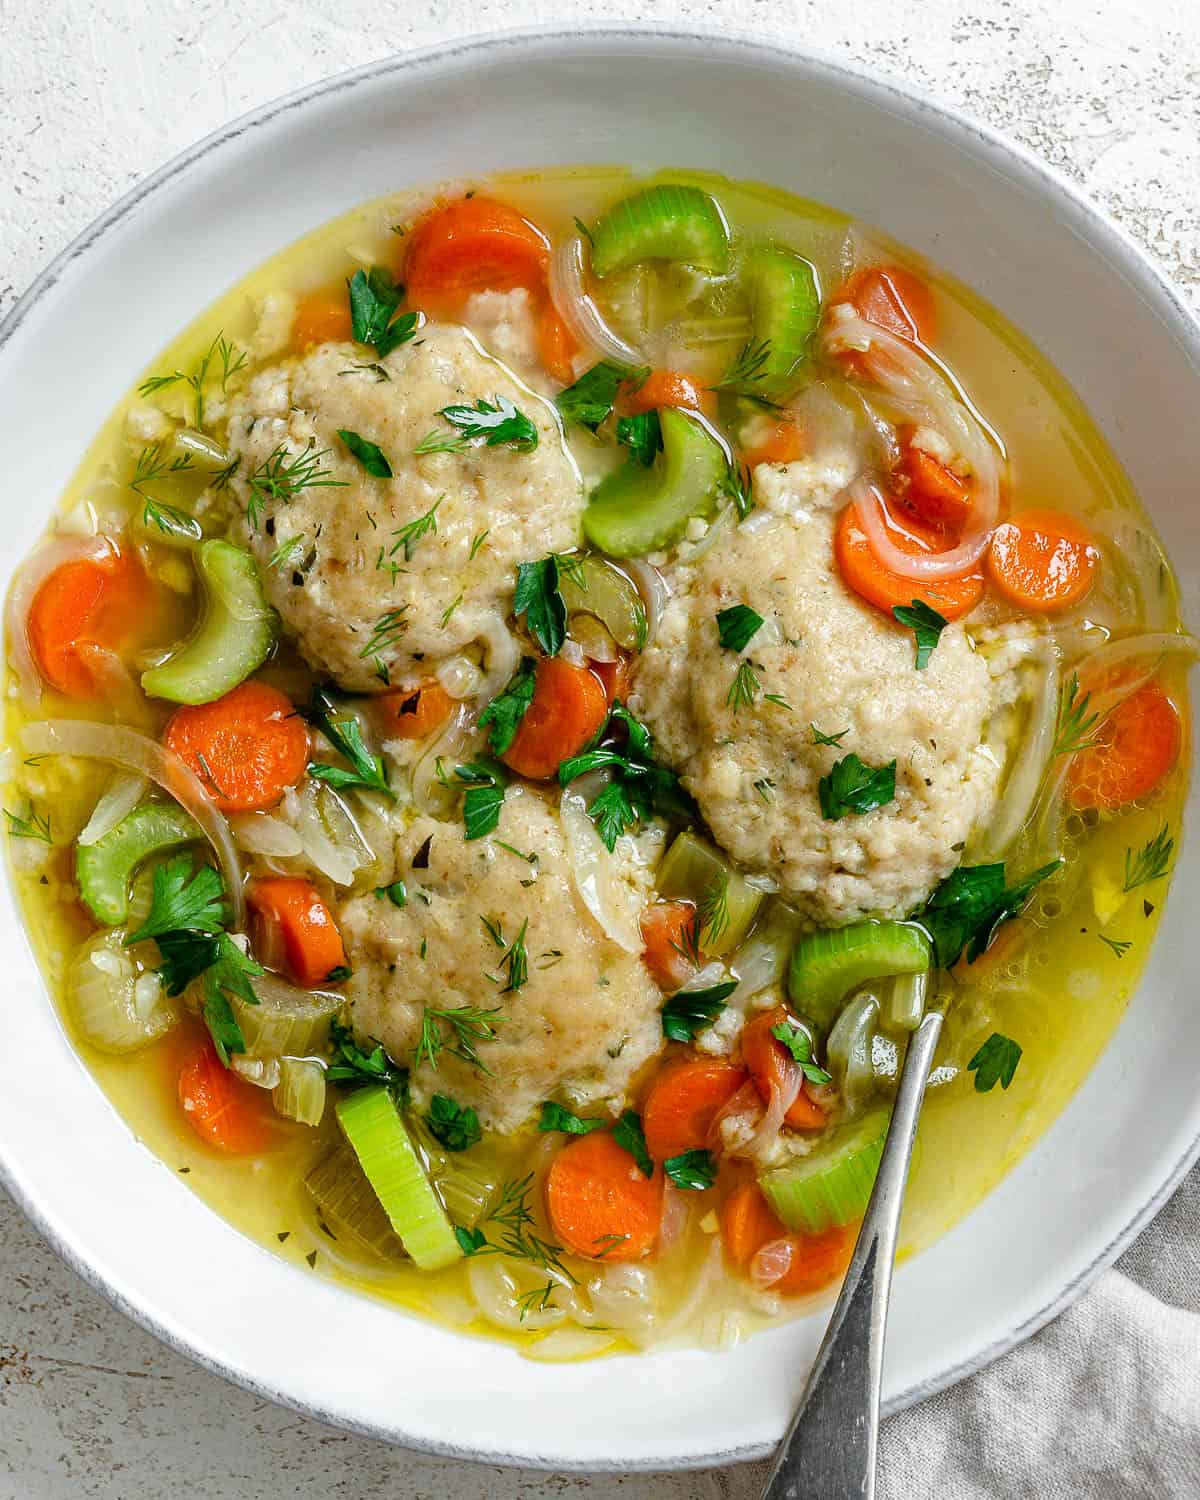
x=387 y=631
x=286 y=550
x=152 y=467
x=1118 y=945
x=1076 y=725
x=744 y=688
x=745 y=376
x=409 y=536
x=1151 y=862
x=765 y=788
x=283 y=475
x=520 y=1238
x=515 y=961
x=477 y=541
x=712 y=912
x=231 y=359
x=449 y=610
x=737 y=485
x=31 y=825
x=457 y=1030
x=819 y=738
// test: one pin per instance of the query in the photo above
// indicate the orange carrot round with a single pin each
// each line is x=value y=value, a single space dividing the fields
x=893 y=298
x=668 y=928
x=293 y=921
x=322 y=318
x=1043 y=560
x=664 y=388
x=86 y=603
x=817 y=1260
x=472 y=245
x=862 y=571
x=414 y=715
x=747 y=1224
x=556 y=344
x=933 y=491
x=569 y=705
x=683 y=1102
x=1139 y=743
x=782 y=443
x=814 y=1260
x=222 y=1108
x=771 y=1066
x=599 y=1204
x=247 y=747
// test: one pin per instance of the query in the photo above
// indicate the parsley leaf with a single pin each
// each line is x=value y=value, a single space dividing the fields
x=925 y=623
x=995 y=1063
x=737 y=626
x=556 y=1117
x=506 y=710
x=642 y=435
x=470 y=1241
x=689 y=1012
x=485 y=785
x=539 y=598
x=369 y=454
x=969 y=905
x=612 y=811
x=852 y=787
x=184 y=896
x=351 y=1065
x=588 y=402
x=397 y=893
x=375 y=315
x=694 y=1171
x=456 y=1128
x=630 y=1136
x=345 y=735
x=492 y=425
x=799 y=1044
x=643 y=787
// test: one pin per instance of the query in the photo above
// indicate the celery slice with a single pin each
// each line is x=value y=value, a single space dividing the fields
x=287 y=1021
x=668 y=222
x=787 y=310
x=692 y=870
x=637 y=510
x=116 y=1008
x=300 y=1092
x=105 y=868
x=592 y=586
x=346 y=1201
x=826 y=966
x=235 y=633
x=833 y=1185
x=373 y=1126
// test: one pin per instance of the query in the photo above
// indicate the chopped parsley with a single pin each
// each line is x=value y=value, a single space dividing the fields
x=642 y=435
x=1151 y=862
x=487 y=424
x=485 y=783
x=737 y=626
x=926 y=625
x=689 y=1012
x=454 y=1127
x=375 y=315
x=853 y=787
x=995 y=1063
x=370 y=455
x=539 y=598
x=630 y=1136
x=557 y=1117
x=799 y=1044
x=506 y=710
x=589 y=401
x=693 y=1171
x=396 y=893
x=351 y=1066
x=968 y=907
x=366 y=771
x=639 y=787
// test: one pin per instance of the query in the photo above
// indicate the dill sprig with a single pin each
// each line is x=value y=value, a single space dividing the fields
x=286 y=550
x=712 y=911
x=408 y=536
x=737 y=485
x=746 y=374
x=153 y=466
x=468 y=1025
x=1151 y=862
x=516 y=961
x=31 y=825
x=1120 y=946
x=520 y=1237
x=1075 y=723
x=231 y=358
x=282 y=476
x=387 y=631
x=744 y=688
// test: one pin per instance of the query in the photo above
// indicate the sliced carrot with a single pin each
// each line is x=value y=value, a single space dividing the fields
x=85 y=605
x=472 y=245
x=817 y=1260
x=664 y=388
x=683 y=1102
x=782 y=443
x=1139 y=743
x=934 y=492
x=667 y=932
x=599 y=1203
x=1043 y=560
x=293 y=921
x=748 y=1223
x=556 y=344
x=247 y=747
x=569 y=705
x=614 y=677
x=772 y=1066
x=222 y=1108
x=862 y=571
x=814 y=1260
x=415 y=715
x=322 y=318
x=892 y=298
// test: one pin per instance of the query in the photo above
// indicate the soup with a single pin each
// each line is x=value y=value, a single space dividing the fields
x=528 y=701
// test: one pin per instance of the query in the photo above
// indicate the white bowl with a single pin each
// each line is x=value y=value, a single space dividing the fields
x=976 y=205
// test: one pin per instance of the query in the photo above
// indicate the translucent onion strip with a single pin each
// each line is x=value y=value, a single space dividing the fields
x=139 y=753
x=121 y=796
x=613 y=902
x=654 y=591
x=1025 y=777
x=577 y=309
x=30 y=577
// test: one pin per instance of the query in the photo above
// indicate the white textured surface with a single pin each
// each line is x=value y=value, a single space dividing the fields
x=98 y=92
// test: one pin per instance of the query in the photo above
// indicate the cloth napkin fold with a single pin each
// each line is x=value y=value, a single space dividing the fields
x=1103 y=1404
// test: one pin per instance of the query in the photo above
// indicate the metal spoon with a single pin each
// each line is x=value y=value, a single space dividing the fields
x=828 y=1450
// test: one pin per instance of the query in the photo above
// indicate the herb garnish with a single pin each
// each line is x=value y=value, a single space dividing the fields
x=456 y=1128
x=1119 y=946
x=151 y=467
x=345 y=735
x=744 y=688
x=818 y=738
x=29 y=826
x=370 y=455
x=557 y=1117
x=232 y=360
x=506 y=710
x=693 y=1171
x=737 y=626
x=642 y=435
x=737 y=485
x=375 y=315
x=1075 y=724
x=282 y=476
x=746 y=374
x=630 y=1136
x=639 y=787
x=853 y=787
x=396 y=893
x=689 y=1012
x=385 y=635
x=925 y=623
x=995 y=1063
x=969 y=906
x=285 y=551
x=538 y=597
x=515 y=961
x=1151 y=862
x=484 y=424
x=589 y=401
x=485 y=783
x=410 y=534
x=351 y=1066
x=468 y=1025
x=799 y=1044
x=515 y=1217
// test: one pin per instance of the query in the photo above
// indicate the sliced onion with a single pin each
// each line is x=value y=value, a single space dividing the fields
x=654 y=591
x=614 y=903
x=570 y=1343
x=460 y=676
x=30 y=577
x=577 y=309
x=498 y=1283
x=337 y=855
x=759 y=965
x=139 y=753
x=1016 y=804
x=873 y=516
x=260 y=833
x=1116 y=653
x=121 y=796
x=451 y=748
x=848 y=1049
x=502 y=653
x=199 y=445
x=1138 y=553
x=771 y=1264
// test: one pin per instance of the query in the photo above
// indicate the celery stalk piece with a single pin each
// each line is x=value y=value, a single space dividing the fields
x=346 y=1201
x=372 y=1124
x=637 y=509
x=300 y=1092
x=105 y=868
x=287 y=1021
x=826 y=966
x=787 y=310
x=591 y=586
x=668 y=222
x=235 y=634
x=832 y=1186
x=726 y=902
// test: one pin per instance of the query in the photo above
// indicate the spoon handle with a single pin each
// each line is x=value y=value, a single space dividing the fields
x=829 y=1449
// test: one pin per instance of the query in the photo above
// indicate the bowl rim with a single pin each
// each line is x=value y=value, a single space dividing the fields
x=1101 y=232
